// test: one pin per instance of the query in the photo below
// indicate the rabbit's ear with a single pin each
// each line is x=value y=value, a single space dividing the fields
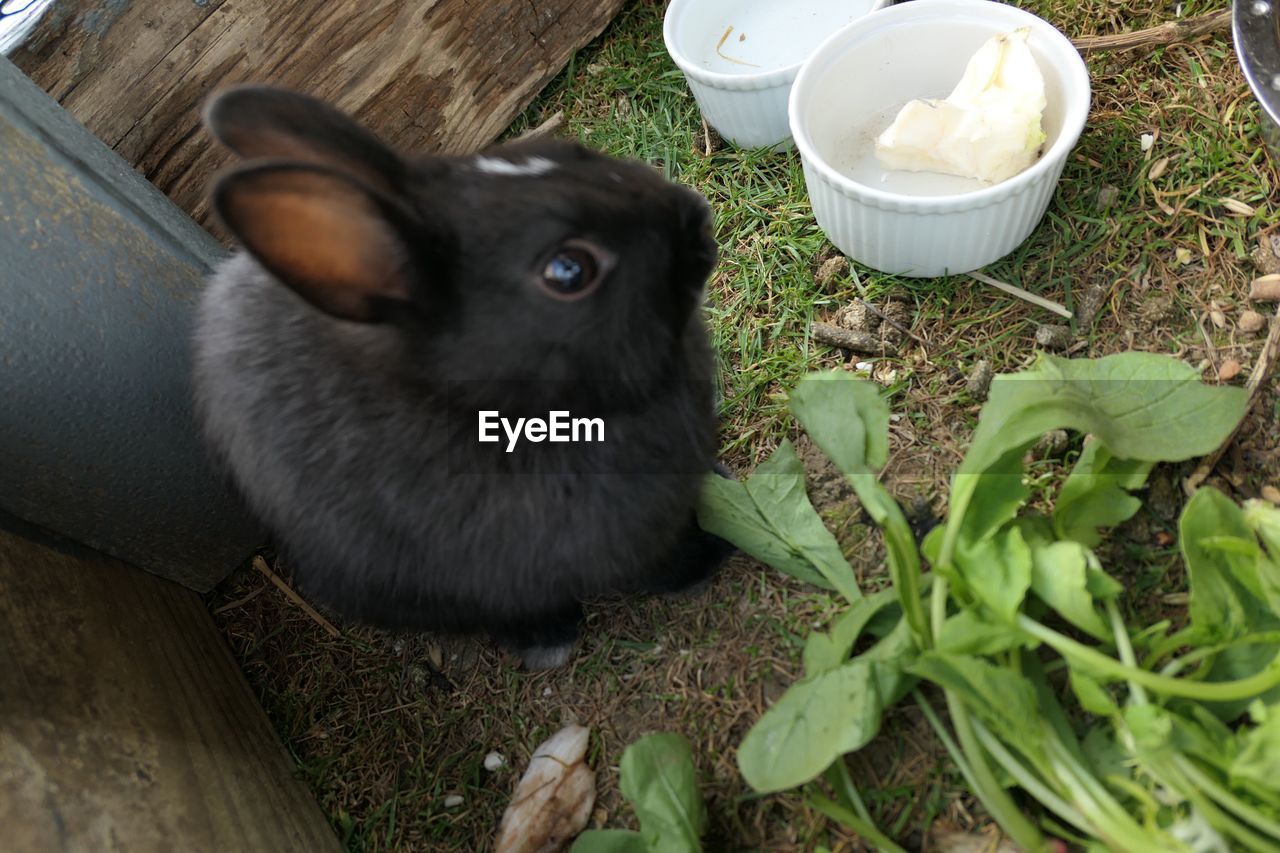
x=339 y=244
x=279 y=124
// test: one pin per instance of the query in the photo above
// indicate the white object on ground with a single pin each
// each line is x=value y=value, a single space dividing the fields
x=554 y=798
x=988 y=128
x=493 y=761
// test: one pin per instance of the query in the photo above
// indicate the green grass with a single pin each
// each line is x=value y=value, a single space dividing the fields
x=385 y=728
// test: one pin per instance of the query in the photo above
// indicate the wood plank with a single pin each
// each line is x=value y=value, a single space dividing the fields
x=124 y=721
x=426 y=75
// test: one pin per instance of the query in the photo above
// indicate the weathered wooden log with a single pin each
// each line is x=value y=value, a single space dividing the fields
x=427 y=75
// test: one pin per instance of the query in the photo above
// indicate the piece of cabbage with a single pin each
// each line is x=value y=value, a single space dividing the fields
x=988 y=128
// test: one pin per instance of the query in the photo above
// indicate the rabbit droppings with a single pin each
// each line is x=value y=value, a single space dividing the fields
x=345 y=361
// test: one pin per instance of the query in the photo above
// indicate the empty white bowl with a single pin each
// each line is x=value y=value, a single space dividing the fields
x=741 y=57
x=924 y=224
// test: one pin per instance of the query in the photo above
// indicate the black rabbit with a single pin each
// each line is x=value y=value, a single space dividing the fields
x=383 y=304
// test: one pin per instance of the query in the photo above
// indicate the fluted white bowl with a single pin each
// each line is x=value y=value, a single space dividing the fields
x=742 y=84
x=924 y=224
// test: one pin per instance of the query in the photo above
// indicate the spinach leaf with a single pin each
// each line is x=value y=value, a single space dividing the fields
x=659 y=780
x=825 y=715
x=1097 y=494
x=769 y=516
x=847 y=418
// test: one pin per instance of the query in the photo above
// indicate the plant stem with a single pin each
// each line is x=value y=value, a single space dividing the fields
x=957 y=755
x=1207 y=691
x=1029 y=782
x=1226 y=798
x=1125 y=648
x=997 y=800
x=843 y=783
x=867 y=830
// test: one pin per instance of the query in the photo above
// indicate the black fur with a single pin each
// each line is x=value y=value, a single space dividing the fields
x=352 y=440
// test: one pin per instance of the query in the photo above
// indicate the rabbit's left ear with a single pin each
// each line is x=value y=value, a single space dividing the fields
x=264 y=122
x=337 y=243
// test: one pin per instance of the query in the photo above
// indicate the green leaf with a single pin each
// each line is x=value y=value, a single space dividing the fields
x=1059 y=578
x=769 y=517
x=1093 y=696
x=1258 y=759
x=659 y=780
x=968 y=633
x=1221 y=554
x=1140 y=406
x=997 y=570
x=1003 y=699
x=610 y=841
x=820 y=718
x=1096 y=494
x=1264 y=519
x=823 y=651
x=847 y=418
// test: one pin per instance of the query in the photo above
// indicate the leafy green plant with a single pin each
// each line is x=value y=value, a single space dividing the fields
x=1131 y=738
x=659 y=780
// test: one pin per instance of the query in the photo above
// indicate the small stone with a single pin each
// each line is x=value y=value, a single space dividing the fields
x=979 y=381
x=493 y=761
x=1251 y=321
x=1107 y=196
x=546 y=691
x=453 y=801
x=1271 y=494
x=1053 y=336
x=1229 y=370
x=830 y=270
x=1147 y=140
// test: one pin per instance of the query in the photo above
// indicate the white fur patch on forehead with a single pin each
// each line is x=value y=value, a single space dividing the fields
x=530 y=168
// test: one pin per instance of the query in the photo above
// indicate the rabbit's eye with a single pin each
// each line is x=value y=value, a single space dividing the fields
x=574 y=270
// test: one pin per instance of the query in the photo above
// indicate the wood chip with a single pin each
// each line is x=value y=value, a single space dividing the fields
x=1265 y=288
x=554 y=799
x=849 y=340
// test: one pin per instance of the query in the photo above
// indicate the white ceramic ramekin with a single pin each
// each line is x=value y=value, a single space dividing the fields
x=741 y=82
x=851 y=88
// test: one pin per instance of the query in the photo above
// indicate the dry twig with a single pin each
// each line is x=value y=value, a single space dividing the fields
x=1046 y=304
x=261 y=565
x=1257 y=379
x=1170 y=32
x=548 y=127
x=850 y=340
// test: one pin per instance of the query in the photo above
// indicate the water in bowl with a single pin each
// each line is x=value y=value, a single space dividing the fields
x=759 y=35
